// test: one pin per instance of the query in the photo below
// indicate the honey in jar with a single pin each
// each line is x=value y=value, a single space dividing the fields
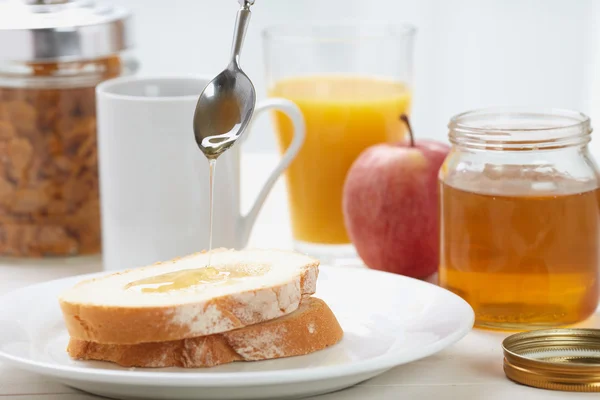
x=520 y=230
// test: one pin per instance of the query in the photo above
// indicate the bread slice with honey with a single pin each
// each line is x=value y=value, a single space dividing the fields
x=310 y=328
x=184 y=298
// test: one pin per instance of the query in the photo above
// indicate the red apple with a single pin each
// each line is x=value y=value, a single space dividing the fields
x=390 y=206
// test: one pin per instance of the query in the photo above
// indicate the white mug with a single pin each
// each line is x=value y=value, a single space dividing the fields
x=154 y=187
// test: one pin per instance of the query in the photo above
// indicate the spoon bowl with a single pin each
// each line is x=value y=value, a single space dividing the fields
x=223 y=111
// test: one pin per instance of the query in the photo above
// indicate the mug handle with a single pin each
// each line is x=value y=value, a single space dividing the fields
x=295 y=115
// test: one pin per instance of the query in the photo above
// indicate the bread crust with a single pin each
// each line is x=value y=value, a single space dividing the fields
x=311 y=328
x=133 y=325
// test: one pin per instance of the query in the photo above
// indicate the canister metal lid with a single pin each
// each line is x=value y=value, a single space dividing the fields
x=557 y=359
x=61 y=30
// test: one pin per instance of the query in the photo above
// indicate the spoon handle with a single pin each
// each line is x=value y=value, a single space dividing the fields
x=241 y=24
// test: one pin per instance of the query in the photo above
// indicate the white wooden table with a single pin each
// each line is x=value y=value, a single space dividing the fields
x=469 y=370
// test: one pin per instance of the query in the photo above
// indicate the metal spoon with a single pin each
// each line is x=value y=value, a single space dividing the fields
x=226 y=104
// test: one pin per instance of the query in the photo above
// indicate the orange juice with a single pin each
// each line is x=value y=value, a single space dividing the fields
x=343 y=115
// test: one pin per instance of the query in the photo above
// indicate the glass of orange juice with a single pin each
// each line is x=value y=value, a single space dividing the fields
x=352 y=83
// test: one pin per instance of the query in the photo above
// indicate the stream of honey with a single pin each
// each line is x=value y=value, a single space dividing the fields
x=212 y=163
x=521 y=261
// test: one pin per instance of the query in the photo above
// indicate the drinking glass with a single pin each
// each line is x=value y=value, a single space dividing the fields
x=352 y=83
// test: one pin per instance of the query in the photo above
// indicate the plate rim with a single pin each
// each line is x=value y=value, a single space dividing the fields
x=147 y=377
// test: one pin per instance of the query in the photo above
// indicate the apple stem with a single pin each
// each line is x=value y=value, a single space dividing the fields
x=404 y=118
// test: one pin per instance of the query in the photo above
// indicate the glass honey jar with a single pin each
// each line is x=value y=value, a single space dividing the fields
x=520 y=217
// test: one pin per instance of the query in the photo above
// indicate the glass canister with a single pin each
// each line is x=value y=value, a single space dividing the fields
x=520 y=217
x=52 y=55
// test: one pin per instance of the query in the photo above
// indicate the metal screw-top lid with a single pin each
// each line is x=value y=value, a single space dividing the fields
x=557 y=359
x=61 y=30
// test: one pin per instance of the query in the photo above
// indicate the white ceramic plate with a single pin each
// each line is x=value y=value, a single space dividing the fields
x=388 y=320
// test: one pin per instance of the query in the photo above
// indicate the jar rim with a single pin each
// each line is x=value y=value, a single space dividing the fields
x=64 y=30
x=519 y=128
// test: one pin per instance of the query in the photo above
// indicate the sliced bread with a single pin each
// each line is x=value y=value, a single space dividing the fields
x=185 y=298
x=310 y=328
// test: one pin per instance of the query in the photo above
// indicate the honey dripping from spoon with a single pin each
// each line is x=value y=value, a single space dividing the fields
x=224 y=108
x=212 y=163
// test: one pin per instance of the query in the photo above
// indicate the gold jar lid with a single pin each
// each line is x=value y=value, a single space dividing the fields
x=556 y=359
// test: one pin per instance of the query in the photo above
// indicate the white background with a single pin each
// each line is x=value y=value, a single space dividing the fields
x=469 y=53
